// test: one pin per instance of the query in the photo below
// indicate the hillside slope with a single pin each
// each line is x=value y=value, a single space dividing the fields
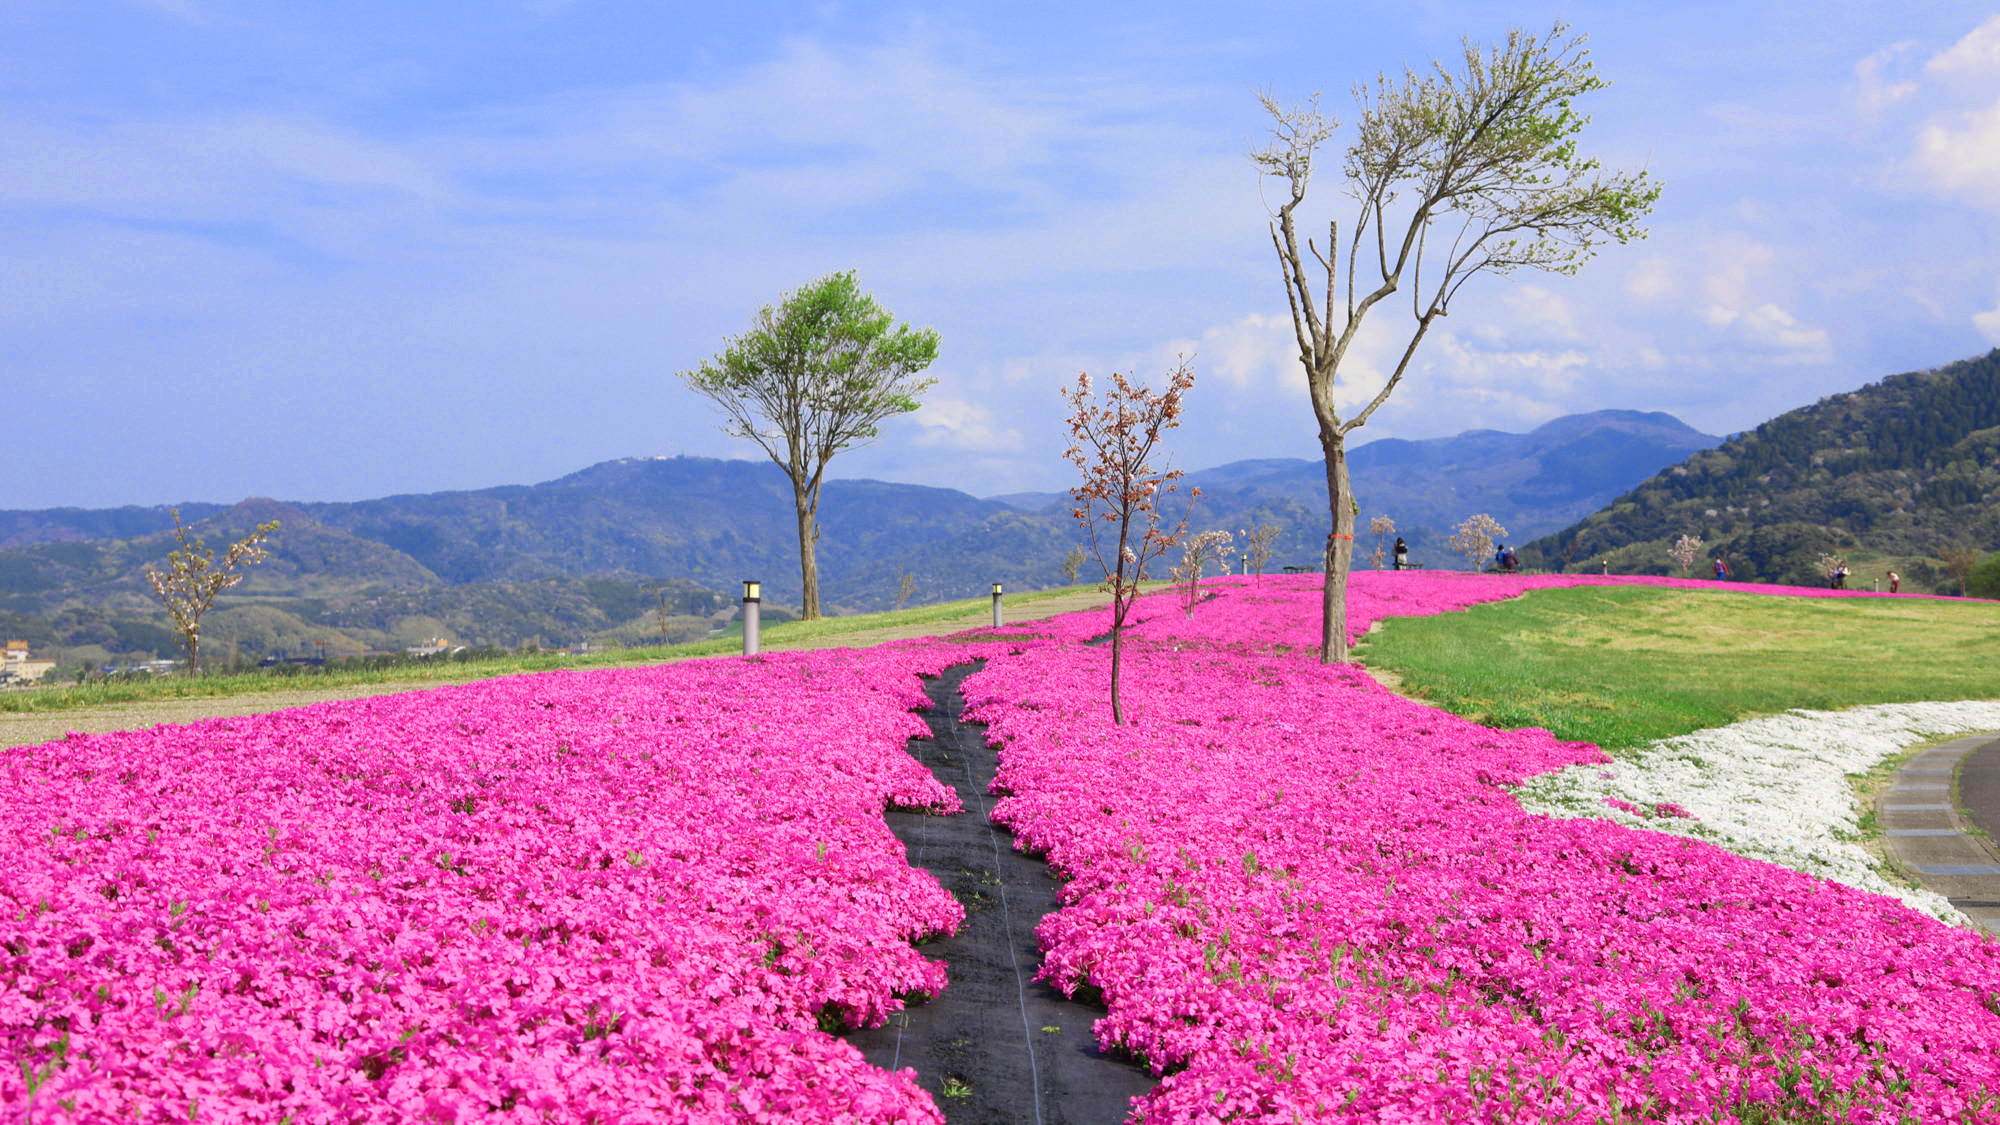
x=1896 y=471
x=1533 y=483
x=581 y=556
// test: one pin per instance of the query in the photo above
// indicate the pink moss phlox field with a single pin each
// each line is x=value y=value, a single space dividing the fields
x=1304 y=897
x=622 y=895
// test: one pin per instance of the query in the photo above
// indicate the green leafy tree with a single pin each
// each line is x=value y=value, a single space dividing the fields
x=1959 y=562
x=1983 y=581
x=816 y=374
x=192 y=580
x=1456 y=172
x=1072 y=563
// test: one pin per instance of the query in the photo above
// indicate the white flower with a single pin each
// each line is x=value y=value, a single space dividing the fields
x=1774 y=789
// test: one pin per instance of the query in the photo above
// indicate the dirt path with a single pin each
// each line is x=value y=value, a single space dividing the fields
x=23 y=729
x=996 y=1045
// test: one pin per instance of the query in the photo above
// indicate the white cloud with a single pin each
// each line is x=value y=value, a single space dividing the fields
x=1252 y=349
x=1651 y=280
x=1959 y=155
x=1735 y=269
x=1774 y=330
x=1955 y=150
x=961 y=424
x=1975 y=58
x=1877 y=92
x=1988 y=324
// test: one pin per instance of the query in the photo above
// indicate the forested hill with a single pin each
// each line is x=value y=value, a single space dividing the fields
x=585 y=556
x=1899 y=470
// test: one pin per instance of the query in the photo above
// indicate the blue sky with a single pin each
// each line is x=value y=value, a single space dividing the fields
x=322 y=251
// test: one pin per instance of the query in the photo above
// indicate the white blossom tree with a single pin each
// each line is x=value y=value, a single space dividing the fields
x=1474 y=539
x=1685 y=550
x=1196 y=553
x=189 y=585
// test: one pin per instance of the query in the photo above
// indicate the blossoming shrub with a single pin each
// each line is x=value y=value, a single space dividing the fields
x=567 y=897
x=1303 y=896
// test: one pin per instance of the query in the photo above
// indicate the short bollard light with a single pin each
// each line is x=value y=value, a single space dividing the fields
x=996 y=605
x=751 y=600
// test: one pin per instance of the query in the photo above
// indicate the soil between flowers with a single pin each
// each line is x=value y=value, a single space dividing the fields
x=996 y=1046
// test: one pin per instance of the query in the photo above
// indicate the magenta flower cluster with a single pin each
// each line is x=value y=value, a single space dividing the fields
x=651 y=895
x=1304 y=897
x=628 y=895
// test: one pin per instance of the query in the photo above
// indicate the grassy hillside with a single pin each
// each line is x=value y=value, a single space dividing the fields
x=955 y=615
x=1622 y=667
x=1889 y=475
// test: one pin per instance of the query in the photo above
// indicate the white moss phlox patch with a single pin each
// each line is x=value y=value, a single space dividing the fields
x=1774 y=789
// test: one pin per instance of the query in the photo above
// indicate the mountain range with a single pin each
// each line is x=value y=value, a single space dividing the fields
x=634 y=549
x=1896 y=473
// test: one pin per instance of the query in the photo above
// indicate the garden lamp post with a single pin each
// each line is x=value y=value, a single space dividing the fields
x=996 y=605
x=752 y=599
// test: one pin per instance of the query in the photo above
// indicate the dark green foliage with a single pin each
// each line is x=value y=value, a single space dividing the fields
x=23 y=528
x=20 y=575
x=144 y=636
x=619 y=601
x=1785 y=553
x=1984 y=581
x=1903 y=467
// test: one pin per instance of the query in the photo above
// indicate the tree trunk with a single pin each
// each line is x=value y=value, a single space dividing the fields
x=808 y=559
x=1117 y=651
x=1339 y=551
x=194 y=654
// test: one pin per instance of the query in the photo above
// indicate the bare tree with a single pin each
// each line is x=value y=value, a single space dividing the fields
x=1474 y=539
x=1257 y=546
x=813 y=376
x=660 y=611
x=189 y=585
x=906 y=584
x=1113 y=447
x=1477 y=168
x=1684 y=551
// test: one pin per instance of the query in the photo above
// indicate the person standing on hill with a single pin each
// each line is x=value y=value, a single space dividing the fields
x=1721 y=570
x=1402 y=553
x=1895 y=582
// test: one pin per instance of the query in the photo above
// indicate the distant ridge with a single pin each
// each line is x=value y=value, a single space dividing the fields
x=1897 y=469
x=581 y=556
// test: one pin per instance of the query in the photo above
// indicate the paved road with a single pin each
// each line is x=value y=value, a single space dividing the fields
x=1940 y=816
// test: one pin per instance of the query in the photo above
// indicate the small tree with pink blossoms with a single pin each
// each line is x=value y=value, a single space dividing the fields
x=1113 y=446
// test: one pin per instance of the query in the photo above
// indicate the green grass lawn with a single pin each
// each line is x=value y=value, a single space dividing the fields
x=1624 y=666
x=69 y=697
